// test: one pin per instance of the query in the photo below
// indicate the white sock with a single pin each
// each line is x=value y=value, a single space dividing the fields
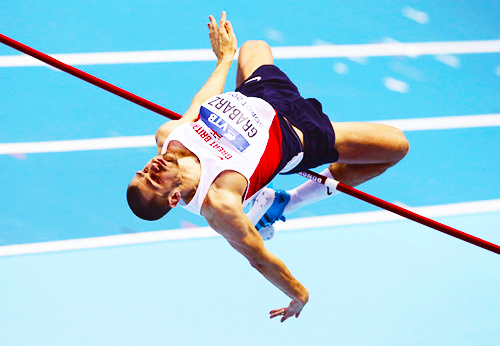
x=308 y=193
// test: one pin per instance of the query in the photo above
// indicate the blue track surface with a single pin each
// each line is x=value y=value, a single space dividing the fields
x=385 y=284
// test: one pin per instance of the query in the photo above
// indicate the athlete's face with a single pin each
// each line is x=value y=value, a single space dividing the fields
x=160 y=175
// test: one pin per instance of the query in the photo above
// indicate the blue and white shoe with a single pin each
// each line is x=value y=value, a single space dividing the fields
x=267 y=208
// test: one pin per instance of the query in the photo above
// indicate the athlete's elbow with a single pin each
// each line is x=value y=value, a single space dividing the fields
x=258 y=265
x=254 y=253
x=258 y=261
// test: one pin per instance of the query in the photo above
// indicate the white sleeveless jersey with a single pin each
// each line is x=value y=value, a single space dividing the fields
x=231 y=134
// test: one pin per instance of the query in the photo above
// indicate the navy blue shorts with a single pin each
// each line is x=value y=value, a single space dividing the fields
x=269 y=83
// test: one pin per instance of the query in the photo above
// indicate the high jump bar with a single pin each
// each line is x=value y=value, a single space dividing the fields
x=307 y=174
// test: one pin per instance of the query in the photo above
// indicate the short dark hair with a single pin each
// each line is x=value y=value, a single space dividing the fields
x=150 y=210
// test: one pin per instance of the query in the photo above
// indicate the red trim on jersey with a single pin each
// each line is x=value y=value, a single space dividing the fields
x=269 y=161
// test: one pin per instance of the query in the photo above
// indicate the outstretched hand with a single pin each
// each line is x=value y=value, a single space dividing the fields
x=294 y=308
x=222 y=37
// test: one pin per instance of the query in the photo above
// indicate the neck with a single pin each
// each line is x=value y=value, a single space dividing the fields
x=190 y=169
x=191 y=172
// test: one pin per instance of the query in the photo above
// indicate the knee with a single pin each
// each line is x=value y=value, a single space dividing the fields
x=256 y=50
x=401 y=144
x=255 y=45
x=252 y=55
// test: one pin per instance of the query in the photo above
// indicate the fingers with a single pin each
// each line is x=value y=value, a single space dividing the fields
x=222 y=37
x=223 y=18
x=277 y=312
x=285 y=312
x=224 y=24
x=229 y=28
x=213 y=24
x=286 y=316
x=293 y=309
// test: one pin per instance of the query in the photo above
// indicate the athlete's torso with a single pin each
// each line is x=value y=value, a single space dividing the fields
x=232 y=134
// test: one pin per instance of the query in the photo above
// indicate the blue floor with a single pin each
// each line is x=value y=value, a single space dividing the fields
x=393 y=283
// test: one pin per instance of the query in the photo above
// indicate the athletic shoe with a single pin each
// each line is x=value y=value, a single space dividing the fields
x=268 y=207
x=267 y=232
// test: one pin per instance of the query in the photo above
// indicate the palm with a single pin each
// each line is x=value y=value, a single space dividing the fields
x=294 y=308
x=222 y=38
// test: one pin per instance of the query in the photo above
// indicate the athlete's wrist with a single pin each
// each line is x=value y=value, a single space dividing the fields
x=225 y=60
x=303 y=297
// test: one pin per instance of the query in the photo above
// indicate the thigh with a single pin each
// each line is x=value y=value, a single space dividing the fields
x=252 y=55
x=363 y=143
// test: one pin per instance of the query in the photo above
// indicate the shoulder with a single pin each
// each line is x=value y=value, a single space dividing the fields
x=225 y=194
x=223 y=210
x=165 y=130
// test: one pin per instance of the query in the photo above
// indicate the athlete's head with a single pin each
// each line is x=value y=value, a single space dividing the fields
x=153 y=191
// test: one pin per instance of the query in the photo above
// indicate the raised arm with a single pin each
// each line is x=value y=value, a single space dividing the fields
x=223 y=211
x=224 y=45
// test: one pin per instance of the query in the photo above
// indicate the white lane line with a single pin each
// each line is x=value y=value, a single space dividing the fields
x=418 y=124
x=302 y=224
x=388 y=49
x=444 y=123
x=77 y=145
x=412 y=49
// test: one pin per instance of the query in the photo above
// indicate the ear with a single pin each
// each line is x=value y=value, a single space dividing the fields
x=174 y=199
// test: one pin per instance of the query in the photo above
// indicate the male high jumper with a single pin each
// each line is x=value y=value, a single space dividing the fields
x=228 y=146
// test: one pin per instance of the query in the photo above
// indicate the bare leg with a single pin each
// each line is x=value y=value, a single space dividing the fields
x=252 y=55
x=366 y=151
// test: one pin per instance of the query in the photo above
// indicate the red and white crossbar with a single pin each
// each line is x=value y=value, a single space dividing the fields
x=308 y=174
